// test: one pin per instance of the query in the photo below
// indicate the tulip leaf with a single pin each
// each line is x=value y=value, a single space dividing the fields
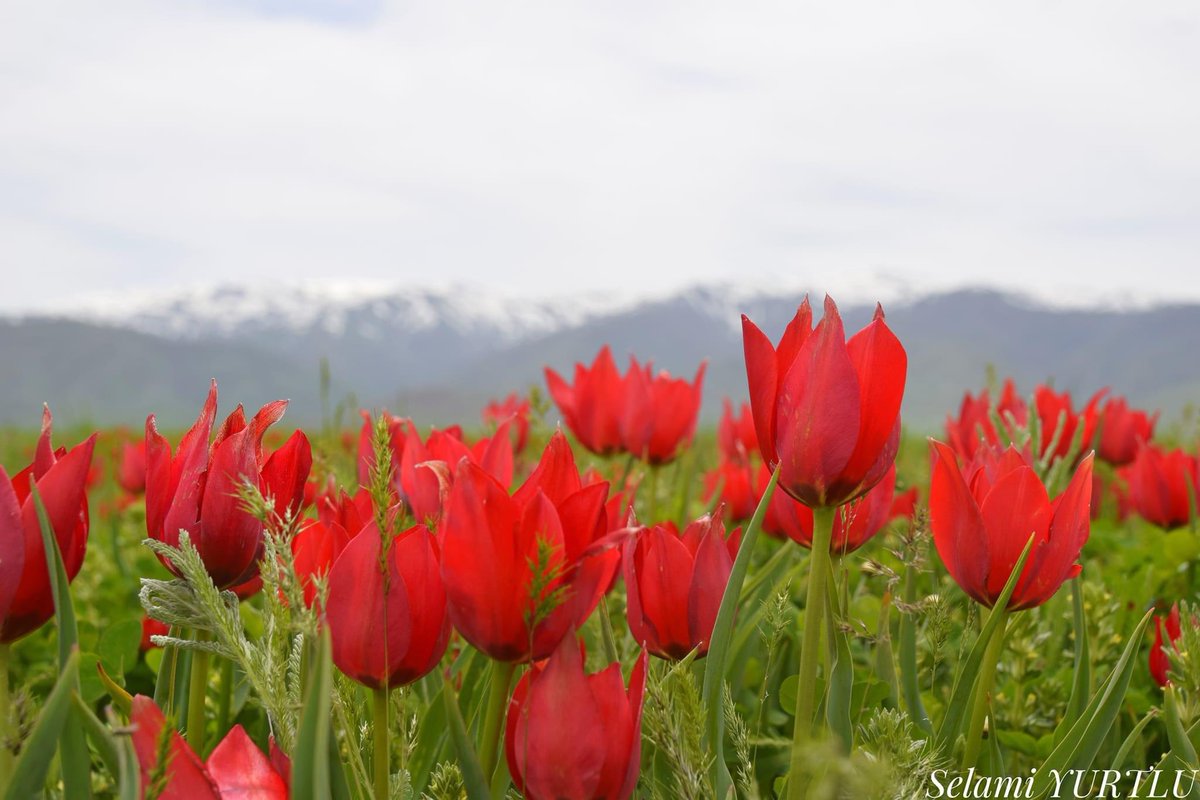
x=430 y=741
x=468 y=760
x=310 y=758
x=964 y=682
x=1081 y=687
x=75 y=760
x=716 y=664
x=37 y=751
x=1132 y=739
x=1181 y=746
x=101 y=737
x=840 y=687
x=1078 y=748
x=910 y=686
x=121 y=698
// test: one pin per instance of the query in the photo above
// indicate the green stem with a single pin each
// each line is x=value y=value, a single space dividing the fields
x=198 y=688
x=6 y=757
x=489 y=746
x=225 y=696
x=814 y=610
x=379 y=734
x=983 y=688
x=606 y=633
x=652 y=504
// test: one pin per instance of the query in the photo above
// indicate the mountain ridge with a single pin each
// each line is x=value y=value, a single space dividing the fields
x=438 y=354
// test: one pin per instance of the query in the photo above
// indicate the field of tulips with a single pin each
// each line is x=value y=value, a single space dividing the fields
x=581 y=595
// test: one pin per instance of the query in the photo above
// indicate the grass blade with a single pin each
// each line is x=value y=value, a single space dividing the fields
x=37 y=751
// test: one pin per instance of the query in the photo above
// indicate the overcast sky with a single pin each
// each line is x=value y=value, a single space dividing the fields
x=545 y=148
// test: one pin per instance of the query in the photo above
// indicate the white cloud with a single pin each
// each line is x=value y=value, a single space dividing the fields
x=546 y=147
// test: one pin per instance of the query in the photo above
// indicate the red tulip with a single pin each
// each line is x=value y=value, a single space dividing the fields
x=26 y=601
x=387 y=630
x=491 y=543
x=1122 y=429
x=737 y=491
x=660 y=413
x=151 y=627
x=675 y=583
x=1161 y=485
x=131 y=473
x=854 y=524
x=974 y=424
x=1054 y=408
x=236 y=768
x=982 y=521
x=593 y=405
x=574 y=736
x=515 y=408
x=424 y=469
x=735 y=435
x=1160 y=662
x=826 y=411
x=318 y=544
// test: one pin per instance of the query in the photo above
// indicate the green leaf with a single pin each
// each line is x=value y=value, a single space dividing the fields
x=964 y=682
x=468 y=760
x=841 y=677
x=1081 y=687
x=310 y=757
x=909 y=675
x=1078 y=748
x=74 y=759
x=430 y=742
x=37 y=751
x=716 y=663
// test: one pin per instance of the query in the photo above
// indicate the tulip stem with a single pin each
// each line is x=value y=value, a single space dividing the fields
x=814 y=611
x=379 y=734
x=983 y=688
x=6 y=758
x=198 y=688
x=502 y=672
x=225 y=696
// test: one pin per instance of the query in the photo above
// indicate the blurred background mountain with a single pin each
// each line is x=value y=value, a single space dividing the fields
x=439 y=355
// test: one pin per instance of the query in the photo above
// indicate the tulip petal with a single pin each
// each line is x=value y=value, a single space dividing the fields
x=958 y=531
x=762 y=378
x=242 y=772
x=564 y=753
x=285 y=473
x=818 y=412
x=710 y=574
x=367 y=613
x=881 y=365
x=1015 y=508
x=12 y=544
x=187 y=779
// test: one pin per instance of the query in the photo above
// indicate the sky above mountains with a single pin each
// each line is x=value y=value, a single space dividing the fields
x=547 y=148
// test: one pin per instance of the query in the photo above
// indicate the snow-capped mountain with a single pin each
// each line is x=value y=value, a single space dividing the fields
x=439 y=353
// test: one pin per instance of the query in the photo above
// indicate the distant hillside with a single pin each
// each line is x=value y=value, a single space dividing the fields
x=437 y=356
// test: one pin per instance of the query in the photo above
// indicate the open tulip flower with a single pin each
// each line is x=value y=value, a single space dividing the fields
x=736 y=437
x=1162 y=484
x=388 y=629
x=196 y=489
x=592 y=406
x=974 y=425
x=675 y=583
x=660 y=412
x=515 y=408
x=1122 y=431
x=827 y=410
x=574 y=736
x=1160 y=662
x=423 y=470
x=320 y=541
x=522 y=570
x=236 y=769
x=855 y=523
x=734 y=482
x=1059 y=419
x=982 y=520
x=26 y=600
x=131 y=471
